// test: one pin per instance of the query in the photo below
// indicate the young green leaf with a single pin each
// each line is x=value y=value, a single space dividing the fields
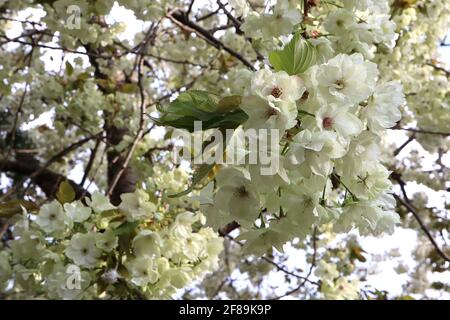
x=69 y=68
x=195 y=105
x=12 y=207
x=128 y=88
x=229 y=104
x=295 y=58
x=65 y=192
x=126 y=227
x=199 y=174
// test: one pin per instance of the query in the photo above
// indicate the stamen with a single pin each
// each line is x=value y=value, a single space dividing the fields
x=327 y=123
x=276 y=92
x=340 y=84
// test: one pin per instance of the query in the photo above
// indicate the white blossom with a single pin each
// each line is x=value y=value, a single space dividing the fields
x=83 y=251
x=99 y=202
x=136 y=205
x=77 y=212
x=51 y=217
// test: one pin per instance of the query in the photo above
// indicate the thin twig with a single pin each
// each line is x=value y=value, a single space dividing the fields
x=180 y=19
x=90 y=162
x=423 y=131
x=399 y=149
x=142 y=118
x=39 y=45
x=53 y=159
x=438 y=68
x=236 y=22
x=277 y=266
x=3 y=230
x=188 y=12
x=311 y=268
x=407 y=204
x=208 y=15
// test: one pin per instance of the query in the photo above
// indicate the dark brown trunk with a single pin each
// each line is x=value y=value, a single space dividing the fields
x=128 y=179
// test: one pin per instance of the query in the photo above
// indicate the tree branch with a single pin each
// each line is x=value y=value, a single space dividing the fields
x=423 y=227
x=407 y=204
x=311 y=268
x=399 y=149
x=277 y=266
x=180 y=19
x=31 y=161
x=190 y=7
x=423 y=131
x=438 y=68
x=123 y=167
x=46 y=179
x=233 y=225
x=236 y=22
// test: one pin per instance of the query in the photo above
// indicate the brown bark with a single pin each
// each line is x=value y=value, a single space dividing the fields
x=46 y=179
x=228 y=228
x=128 y=179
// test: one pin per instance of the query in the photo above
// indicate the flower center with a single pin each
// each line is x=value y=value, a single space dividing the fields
x=276 y=92
x=340 y=84
x=52 y=216
x=242 y=192
x=327 y=123
x=305 y=95
x=84 y=251
x=271 y=112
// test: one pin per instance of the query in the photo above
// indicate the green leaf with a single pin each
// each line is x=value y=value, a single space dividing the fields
x=200 y=173
x=128 y=88
x=83 y=76
x=65 y=192
x=125 y=228
x=12 y=207
x=195 y=105
x=295 y=58
x=229 y=104
x=356 y=253
x=69 y=68
x=106 y=84
x=230 y=121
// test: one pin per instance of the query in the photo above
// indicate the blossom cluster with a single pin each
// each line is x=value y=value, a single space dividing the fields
x=280 y=21
x=330 y=119
x=78 y=251
x=415 y=62
x=361 y=26
x=334 y=287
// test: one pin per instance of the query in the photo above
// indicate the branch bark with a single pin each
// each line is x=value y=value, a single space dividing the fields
x=233 y=225
x=126 y=182
x=407 y=204
x=182 y=20
x=424 y=228
x=439 y=133
x=46 y=179
x=121 y=178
